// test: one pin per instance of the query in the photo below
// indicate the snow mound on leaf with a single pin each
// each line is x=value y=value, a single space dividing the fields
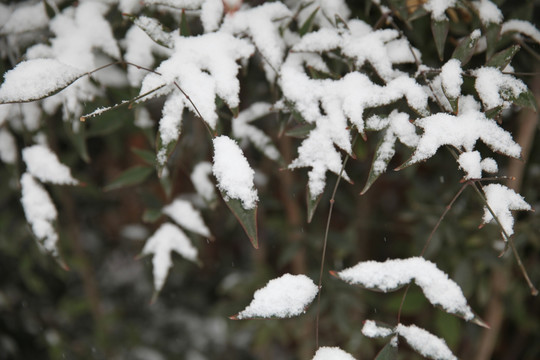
x=286 y=296
x=43 y=164
x=425 y=343
x=332 y=353
x=502 y=201
x=185 y=215
x=372 y=330
x=392 y=274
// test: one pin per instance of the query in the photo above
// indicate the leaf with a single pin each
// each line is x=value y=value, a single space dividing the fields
x=247 y=218
x=132 y=176
x=78 y=139
x=163 y=152
x=425 y=343
x=50 y=10
x=493 y=33
x=300 y=131
x=501 y=59
x=312 y=203
x=37 y=79
x=44 y=165
x=151 y=215
x=282 y=297
x=388 y=352
x=184 y=25
x=189 y=218
x=465 y=48
x=145 y=155
x=383 y=154
x=526 y=99
x=153 y=29
x=439 y=28
x=308 y=24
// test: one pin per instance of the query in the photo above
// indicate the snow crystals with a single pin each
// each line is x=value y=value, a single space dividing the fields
x=233 y=173
x=283 y=297
x=332 y=353
x=166 y=239
x=44 y=165
x=392 y=274
x=471 y=162
x=495 y=88
x=425 y=343
x=502 y=201
x=451 y=78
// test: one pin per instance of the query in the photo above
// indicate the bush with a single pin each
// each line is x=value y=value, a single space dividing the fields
x=173 y=132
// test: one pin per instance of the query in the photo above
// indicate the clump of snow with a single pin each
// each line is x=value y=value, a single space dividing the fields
x=489 y=165
x=471 y=162
x=171 y=119
x=372 y=330
x=502 y=201
x=282 y=297
x=8 y=147
x=43 y=164
x=332 y=353
x=152 y=27
x=328 y=10
x=35 y=79
x=40 y=212
x=488 y=12
x=233 y=173
x=166 y=239
x=451 y=79
x=437 y=8
x=200 y=177
x=522 y=27
x=143 y=119
x=494 y=87
x=185 y=215
x=211 y=14
x=25 y=18
x=425 y=343
x=392 y=274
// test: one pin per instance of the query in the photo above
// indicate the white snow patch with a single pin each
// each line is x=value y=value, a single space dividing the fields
x=437 y=8
x=282 y=297
x=392 y=274
x=451 y=79
x=522 y=27
x=502 y=201
x=425 y=343
x=332 y=353
x=43 y=164
x=25 y=18
x=211 y=14
x=200 y=177
x=469 y=161
x=233 y=173
x=170 y=123
x=488 y=12
x=372 y=330
x=8 y=147
x=494 y=87
x=185 y=215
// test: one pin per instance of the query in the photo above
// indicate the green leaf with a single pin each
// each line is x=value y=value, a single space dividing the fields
x=501 y=59
x=388 y=352
x=166 y=183
x=308 y=24
x=78 y=139
x=147 y=156
x=105 y=124
x=312 y=203
x=132 y=176
x=184 y=25
x=300 y=131
x=440 y=31
x=247 y=218
x=151 y=215
x=493 y=33
x=493 y=113
x=526 y=99
x=317 y=74
x=49 y=9
x=381 y=157
x=465 y=49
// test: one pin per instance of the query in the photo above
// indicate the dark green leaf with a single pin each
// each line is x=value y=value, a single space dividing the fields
x=151 y=215
x=51 y=12
x=132 y=176
x=312 y=203
x=493 y=33
x=300 y=131
x=501 y=59
x=317 y=74
x=184 y=25
x=388 y=352
x=147 y=156
x=308 y=24
x=465 y=49
x=105 y=124
x=526 y=99
x=492 y=113
x=78 y=139
x=166 y=183
x=247 y=218
x=440 y=31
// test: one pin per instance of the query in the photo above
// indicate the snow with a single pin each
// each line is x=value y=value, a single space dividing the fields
x=488 y=12
x=328 y=9
x=332 y=353
x=179 y=4
x=139 y=48
x=44 y=165
x=502 y=201
x=243 y=130
x=166 y=239
x=40 y=212
x=392 y=274
x=282 y=297
x=8 y=147
x=489 y=165
x=469 y=162
x=35 y=79
x=211 y=14
x=522 y=27
x=451 y=79
x=494 y=87
x=143 y=119
x=200 y=177
x=152 y=27
x=233 y=173
x=25 y=18
x=437 y=8
x=462 y=131
x=372 y=330
x=185 y=215
x=425 y=343
x=171 y=121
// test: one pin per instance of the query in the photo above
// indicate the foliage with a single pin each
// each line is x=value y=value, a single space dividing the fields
x=122 y=121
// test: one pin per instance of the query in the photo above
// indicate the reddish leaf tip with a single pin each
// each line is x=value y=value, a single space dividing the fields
x=334 y=273
x=234 y=317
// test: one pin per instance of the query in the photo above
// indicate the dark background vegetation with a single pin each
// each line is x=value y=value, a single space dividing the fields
x=100 y=308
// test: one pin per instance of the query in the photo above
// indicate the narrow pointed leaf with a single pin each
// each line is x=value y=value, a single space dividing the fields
x=493 y=33
x=526 y=99
x=132 y=176
x=308 y=24
x=145 y=155
x=247 y=218
x=425 y=343
x=388 y=352
x=312 y=204
x=163 y=153
x=493 y=113
x=51 y=12
x=300 y=131
x=151 y=215
x=380 y=160
x=184 y=25
x=439 y=28
x=153 y=29
x=501 y=59
x=465 y=49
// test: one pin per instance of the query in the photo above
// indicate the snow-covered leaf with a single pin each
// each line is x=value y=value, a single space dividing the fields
x=36 y=79
x=497 y=89
x=44 y=165
x=170 y=126
x=246 y=217
x=437 y=8
x=372 y=330
x=40 y=213
x=166 y=239
x=154 y=30
x=451 y=81
x=466 y=47
x=312 y=204
x=285 y=296
x=332 y=353
x=471 y=162
x=425 y=343
x=185 y=215
x=501 y=59
x=522 y=27
x=393 y=274
x=502 y=201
